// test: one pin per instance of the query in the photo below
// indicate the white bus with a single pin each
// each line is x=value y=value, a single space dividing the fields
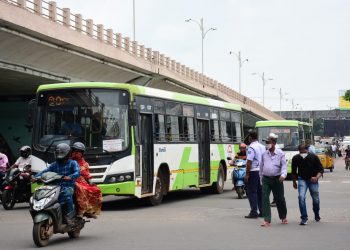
x=290 y=134
x=140 y=141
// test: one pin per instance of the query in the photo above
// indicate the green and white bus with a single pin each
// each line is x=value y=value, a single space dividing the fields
x=140 y=141
x=290 y=134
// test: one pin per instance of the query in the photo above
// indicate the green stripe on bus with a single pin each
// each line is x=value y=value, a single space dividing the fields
x=189 y=174
x=127 y=188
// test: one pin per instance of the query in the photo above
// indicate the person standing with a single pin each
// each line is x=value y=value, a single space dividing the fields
x=311 y=147
x=334 y=150
x=252 y=178
x=273 y=171
x=307 y=169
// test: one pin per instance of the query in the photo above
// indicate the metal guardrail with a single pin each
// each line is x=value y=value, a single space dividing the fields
x=63 y=16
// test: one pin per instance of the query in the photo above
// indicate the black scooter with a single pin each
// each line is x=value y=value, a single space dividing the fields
x=16 y=187
x=47 y=213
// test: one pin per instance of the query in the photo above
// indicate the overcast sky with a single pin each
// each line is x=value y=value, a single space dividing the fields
x=304 y=45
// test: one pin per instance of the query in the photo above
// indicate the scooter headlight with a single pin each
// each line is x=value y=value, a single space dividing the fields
x=40 y=204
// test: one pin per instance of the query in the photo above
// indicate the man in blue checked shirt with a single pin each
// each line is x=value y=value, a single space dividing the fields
x=70 y=171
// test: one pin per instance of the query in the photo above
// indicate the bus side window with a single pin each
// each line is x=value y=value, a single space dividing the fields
x=159 y=127
x=189 y=130
x=172 y=128
x=214 y=130
x=226 y=131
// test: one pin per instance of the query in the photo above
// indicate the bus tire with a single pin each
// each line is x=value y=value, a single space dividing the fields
x=218 y=186
x=157 y=198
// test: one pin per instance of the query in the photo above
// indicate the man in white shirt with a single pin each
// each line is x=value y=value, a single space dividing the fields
x=252 y=179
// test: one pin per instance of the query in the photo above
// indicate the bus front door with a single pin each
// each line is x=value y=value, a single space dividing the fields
x=147 y=153
x=203 y=151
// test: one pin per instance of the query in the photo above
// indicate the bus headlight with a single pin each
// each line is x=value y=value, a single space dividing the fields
x=112 y=179
x=121 y=178
x=128 y=177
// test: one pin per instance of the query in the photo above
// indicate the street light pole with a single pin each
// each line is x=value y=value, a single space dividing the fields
x=264 y=80
x=240 y=64
x=133 y=14
x=203 y=34
x=281 y=96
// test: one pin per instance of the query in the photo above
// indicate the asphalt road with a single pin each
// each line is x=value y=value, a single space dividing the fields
x=191 y=220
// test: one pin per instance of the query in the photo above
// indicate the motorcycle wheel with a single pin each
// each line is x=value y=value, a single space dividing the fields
x=240 y=192
x=40 y=233
x=8 y=199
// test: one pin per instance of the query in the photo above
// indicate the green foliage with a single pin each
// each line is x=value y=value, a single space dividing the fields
x=347 y=95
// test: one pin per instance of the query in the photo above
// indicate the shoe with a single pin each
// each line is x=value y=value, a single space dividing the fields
x=266 y=224
x=273 y=204
x=260 y=215
x=303 y=223
x=250 y=216
x=317 y=218
x=284 y=221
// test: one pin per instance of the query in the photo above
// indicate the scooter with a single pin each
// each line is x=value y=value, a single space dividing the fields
x=47 y=213
x=16 y=187
x=238 y=175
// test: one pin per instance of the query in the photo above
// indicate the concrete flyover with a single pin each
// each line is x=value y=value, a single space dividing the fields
x=38 y=38
x=42 y=43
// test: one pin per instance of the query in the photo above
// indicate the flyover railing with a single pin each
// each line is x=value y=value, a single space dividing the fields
x=63 y=16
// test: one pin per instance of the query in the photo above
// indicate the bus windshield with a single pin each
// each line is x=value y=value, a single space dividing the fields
x=96 y=117
x=288 y=137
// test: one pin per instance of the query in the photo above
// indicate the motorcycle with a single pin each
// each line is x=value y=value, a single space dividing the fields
x=16 y=187
x=47 y=213
x=238 y=175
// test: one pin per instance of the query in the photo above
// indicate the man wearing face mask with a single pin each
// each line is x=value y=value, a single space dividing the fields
x=307 y=169
x=252 y=179
x=273 y=171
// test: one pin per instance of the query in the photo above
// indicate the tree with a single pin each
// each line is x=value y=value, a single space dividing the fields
x=347 y=95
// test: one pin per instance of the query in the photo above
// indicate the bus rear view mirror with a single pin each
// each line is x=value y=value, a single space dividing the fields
x=132 y=117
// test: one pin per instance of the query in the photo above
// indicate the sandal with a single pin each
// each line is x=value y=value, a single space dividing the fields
x=284 y=221
x=266 y=224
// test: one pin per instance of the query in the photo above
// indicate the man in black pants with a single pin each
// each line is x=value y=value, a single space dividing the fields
x=252 y=178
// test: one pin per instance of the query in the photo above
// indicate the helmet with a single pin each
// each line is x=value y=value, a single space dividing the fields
x=25 y=151
x=242 y=145
x=79 y=146
x=62 y=151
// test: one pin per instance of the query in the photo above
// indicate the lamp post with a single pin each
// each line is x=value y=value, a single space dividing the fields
x=240 y=64
x=203 y=34
x=281 y=96
x=264 y=80
x=133 y=17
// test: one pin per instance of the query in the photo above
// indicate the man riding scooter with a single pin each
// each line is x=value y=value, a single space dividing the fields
x=239 y=171
x=70 y=171
x=242 y=153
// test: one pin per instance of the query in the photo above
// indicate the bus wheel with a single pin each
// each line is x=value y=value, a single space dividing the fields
x=218 y=186
x=157 y=198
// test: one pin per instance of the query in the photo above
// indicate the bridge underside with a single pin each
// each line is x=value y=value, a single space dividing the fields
x=26 y=62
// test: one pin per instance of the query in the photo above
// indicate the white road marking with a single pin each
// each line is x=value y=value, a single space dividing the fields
x=345 y=182
x=324 y=181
